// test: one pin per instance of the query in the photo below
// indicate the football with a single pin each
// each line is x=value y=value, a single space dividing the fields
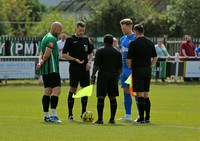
x=88 y=116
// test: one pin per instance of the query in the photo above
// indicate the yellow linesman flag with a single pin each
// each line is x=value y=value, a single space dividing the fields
x=128 y=80
x=87 y=91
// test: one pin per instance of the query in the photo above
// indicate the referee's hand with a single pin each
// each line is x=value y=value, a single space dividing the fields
x=78 y=61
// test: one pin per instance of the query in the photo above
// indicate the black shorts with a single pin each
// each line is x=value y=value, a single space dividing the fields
x=78 y=74
x=107 y=84
x=51 y=80
x=141 y=79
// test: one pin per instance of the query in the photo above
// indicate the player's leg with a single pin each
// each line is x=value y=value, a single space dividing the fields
x=146 y=96
x=55 y=84
x=138 y=87
x=54 y=102
x=45 y=103
x=84 y=81
x=112 y=93
x=141 y=105
x=147 y=107
x=136 y=101
x=46 y=98
x=101 y=93
x=100 y=107
x=71 y=101
x=127 y=95
x=113 y=109
x=74 y=79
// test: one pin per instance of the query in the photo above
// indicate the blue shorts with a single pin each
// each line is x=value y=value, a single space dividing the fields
x=124 y=76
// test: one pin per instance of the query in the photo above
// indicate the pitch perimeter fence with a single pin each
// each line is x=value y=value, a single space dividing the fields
x=19 y=56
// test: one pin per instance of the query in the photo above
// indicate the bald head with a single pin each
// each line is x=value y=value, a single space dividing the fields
x=56 y=29
x=56 y=24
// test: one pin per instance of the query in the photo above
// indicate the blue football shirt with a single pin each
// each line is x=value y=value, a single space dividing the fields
x=125 y=40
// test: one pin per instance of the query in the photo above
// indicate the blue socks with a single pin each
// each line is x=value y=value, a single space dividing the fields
x=127 y=103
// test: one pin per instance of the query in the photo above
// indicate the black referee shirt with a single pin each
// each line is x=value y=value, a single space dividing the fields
x=108 y=59
x=78 y=47
x=140 y=51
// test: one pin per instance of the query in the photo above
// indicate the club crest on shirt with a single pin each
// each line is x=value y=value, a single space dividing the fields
x=124 y=49
x=51 y=44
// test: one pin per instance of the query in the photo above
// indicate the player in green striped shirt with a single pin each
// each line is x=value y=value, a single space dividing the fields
x=49 y=69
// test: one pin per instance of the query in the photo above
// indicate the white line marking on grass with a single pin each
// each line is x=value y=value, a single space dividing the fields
x=170 y=126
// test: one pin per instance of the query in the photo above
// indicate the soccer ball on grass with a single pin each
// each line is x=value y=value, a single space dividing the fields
x=88 y=116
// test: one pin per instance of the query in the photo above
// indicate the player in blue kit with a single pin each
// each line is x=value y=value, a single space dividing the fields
x=126 y=26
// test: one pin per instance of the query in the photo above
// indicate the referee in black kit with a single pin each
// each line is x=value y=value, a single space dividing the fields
x=141 y=57
x=108 y=61
x=78 y=51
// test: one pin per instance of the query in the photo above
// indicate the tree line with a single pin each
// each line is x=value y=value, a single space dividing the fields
x=31 y=18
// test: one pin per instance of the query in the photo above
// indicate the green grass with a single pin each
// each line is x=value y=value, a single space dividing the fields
x=175 y=115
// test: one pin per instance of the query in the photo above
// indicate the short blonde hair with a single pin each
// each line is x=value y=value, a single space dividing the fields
x=126 y=21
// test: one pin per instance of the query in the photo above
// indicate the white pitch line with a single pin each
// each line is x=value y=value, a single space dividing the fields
x=186 y=127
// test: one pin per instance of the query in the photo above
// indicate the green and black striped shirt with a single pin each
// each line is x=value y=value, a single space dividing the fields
x=52 y=64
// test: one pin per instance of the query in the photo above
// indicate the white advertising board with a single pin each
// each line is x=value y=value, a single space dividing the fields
x=192 y=69
x=14 y=70
x=64 y=69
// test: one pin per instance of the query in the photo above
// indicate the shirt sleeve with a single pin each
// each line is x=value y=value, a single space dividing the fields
x=97 y=58
x=89 y=48
x=67 y=45
x=130 y=50
x=154 y=54
x=182 y=46
x=166 y=52
x=51 y=42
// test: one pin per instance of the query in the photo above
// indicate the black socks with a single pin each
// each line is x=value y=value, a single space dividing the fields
x=54 y=102
x=45 y=103
x=100 y=106
x=84 y=103
x=141 y=105
x=70 y=103
x=113 y=108
x=147 y=108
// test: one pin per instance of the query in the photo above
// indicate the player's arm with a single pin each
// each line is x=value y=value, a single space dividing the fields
x=88 y=65
x=61 y=49
x=66 y=51
x=184 y=53
x=44 y=58
x=128 y=62
x=153 y=61
x=195 y=53
x=70 y=58
x=93 y=77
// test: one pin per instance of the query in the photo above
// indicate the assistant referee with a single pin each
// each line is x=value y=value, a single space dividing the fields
x=108 y=61
x=141 y=57
x=78 y=51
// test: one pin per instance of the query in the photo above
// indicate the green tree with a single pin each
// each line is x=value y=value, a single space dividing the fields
x=186 y=15
x=43 y=28
x=107 y=15
x=19 y=14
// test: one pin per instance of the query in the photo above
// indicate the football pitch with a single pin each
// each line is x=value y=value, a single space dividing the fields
x=175 y=115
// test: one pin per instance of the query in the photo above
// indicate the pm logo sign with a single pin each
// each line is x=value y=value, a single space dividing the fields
x=17 y=48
